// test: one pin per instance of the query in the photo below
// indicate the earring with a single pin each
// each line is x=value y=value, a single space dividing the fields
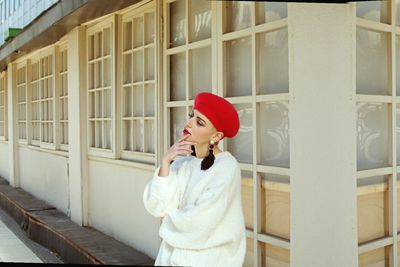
x=209 y=160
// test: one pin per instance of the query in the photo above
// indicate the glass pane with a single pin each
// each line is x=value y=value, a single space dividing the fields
x=177 y=27
x=177 y=77
x=372 y=135
x=178 y=117
x=127 y=35
x=375 y=258
x=200 y=24
x=373 y=10
x=150 y=136
x=99 y=74
x=137 y=31
x=149 y=34
x=107 y=134
x=127 y=69
x=249 y=256
x=127 y=102
x=273 y=62
x=99 y=43
x=242 y=145
x=274 y=256
x=91 y=47
x=107 y=42
x=397 y=10
x=238 y=15
x=99 y=104
x=107 y=72
x=150 y=98
x=91 y=104
x=99 y=135
x=275 y=205
x=91 y=75
x=107 y=103
x=398 y=63
x=128 y=137
x=66 y=108
x=372 y=61
x=200 y=71
x=137 y=101
x=270 y=11
x=138 y=66
x=398 y=135
x=238 y=67
x=149 y=53
x=247 y=198
x=273 y=121
x=137 y=135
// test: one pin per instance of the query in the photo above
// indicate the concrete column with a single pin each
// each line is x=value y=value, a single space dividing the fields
x=77 y=128
x=323 y=135
x=12 y=125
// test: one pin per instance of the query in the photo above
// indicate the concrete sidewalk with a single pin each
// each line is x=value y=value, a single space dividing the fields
x=55 y=231
x=15 y=246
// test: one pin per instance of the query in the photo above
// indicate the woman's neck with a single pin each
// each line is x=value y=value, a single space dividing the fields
x=202 y=150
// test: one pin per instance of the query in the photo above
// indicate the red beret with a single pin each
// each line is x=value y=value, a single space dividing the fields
x=219 y=111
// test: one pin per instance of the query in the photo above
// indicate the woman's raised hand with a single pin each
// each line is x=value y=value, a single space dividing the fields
x=181 y=147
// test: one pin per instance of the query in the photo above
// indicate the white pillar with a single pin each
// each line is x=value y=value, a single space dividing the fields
x=12 y=125
x=323 y=135
x=78 y=161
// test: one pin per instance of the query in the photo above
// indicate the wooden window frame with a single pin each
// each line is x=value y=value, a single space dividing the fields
x=3 y=93
x=129 y=16
x=110 y=22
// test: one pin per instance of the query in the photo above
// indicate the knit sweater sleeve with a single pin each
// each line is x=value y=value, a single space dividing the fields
x=160 y=194
x=194 y=226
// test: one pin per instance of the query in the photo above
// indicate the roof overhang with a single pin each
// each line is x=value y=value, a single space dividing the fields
x=54 y=23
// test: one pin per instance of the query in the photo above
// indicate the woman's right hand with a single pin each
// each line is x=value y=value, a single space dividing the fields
x=181 y=147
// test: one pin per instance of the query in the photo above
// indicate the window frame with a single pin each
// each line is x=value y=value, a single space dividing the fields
x=4 y=76
x=111 y=22
x=126 y=16
x=61 y=74
x=37 y=58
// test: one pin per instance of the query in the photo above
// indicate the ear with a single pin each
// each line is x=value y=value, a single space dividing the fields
x=218 y=136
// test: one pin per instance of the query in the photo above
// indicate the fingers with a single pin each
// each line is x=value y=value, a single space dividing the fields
x=183 y=138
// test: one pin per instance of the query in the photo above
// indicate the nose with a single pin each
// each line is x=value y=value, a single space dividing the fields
x=189 y=123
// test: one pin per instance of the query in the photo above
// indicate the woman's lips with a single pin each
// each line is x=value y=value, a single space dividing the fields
x=185 y=131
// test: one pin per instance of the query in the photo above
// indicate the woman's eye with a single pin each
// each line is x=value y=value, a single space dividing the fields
x=199 y=123
x=190 y=115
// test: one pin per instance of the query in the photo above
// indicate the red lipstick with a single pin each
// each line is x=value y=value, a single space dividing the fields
x=185 y=131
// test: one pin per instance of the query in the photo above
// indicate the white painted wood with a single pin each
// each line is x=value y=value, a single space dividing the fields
x=13 y=163
x=322 y=135
x=78 y=162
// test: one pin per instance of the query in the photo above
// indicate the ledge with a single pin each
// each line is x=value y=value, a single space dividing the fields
x=51 y=228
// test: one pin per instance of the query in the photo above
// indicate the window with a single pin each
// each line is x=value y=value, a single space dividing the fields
x=3 y=106
x=100 y=47
x=35 y=104
x=42 y=100
x=378 y=150
x=22 y=102
x=238 y=50
x=138 y=96
x=63 y=99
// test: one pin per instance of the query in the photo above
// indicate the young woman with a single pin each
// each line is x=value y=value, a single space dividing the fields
x=199 y=196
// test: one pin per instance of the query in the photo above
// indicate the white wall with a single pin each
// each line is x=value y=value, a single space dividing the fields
x=45 y=176
x=4 y=171
x=116 y=205
x=323 y=192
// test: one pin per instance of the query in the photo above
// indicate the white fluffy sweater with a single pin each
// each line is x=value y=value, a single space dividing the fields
x=203 y=221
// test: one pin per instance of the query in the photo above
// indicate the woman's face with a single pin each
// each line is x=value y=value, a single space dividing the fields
x=201 y=130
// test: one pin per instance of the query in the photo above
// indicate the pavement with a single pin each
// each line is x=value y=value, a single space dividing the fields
x=15 y=246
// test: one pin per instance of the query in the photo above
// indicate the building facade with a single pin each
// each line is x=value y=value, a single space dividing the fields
x=85 y=117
